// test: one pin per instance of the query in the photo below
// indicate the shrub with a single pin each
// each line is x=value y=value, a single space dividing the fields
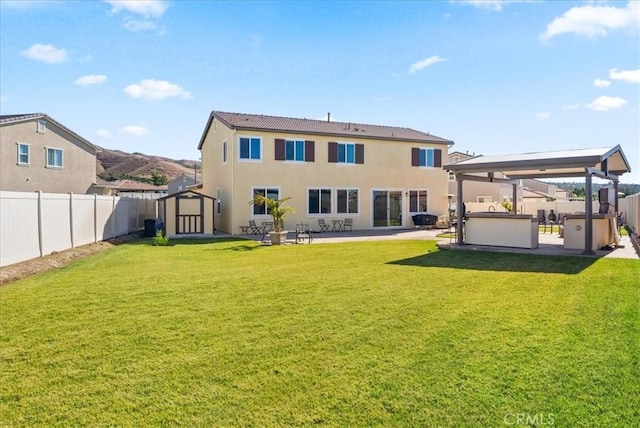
x=160 y=240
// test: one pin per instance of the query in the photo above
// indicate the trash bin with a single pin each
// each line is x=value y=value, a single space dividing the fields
x=150 y=228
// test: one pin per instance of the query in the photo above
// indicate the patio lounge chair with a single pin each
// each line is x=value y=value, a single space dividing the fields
x=324 y=227
x=255 y=229
x=348 y=224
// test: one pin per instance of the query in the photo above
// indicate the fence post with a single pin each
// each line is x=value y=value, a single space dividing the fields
x=113 y=216
x=95 y=217
x=71 y=219
x=40 y=223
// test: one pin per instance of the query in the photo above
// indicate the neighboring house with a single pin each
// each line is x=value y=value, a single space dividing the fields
x=542 y=190
x=182 y=183
x=136 y=189
x=376 y=175
x=39 y=153
x=478 y=191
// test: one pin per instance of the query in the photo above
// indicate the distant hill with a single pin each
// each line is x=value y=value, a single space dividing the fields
x=115 y=163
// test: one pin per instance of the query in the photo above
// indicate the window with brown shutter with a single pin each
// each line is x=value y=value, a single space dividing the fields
x=415 y=156
x=426 y=157
x=360 y=153
x=309 y=151
x=279 y=149
x=333 y=152
x=437 y=158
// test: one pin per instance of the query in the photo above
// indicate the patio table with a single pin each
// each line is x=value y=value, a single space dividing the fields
x=338 y=225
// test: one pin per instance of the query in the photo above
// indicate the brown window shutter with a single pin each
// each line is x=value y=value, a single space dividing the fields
x=415 y=156
x=437 y=158
x=279 y=149
x=333 y=152
x=359 y=153
x=309 y=151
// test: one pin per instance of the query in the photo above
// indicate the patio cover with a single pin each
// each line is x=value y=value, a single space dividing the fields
x=607 y=163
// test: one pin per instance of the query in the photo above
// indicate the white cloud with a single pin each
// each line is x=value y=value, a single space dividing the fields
x=91 y=79
x=594 y=20
x=492 y=5
x=601 y=83
x=103 y=133
x=45 y=53
x=605 y=103
x=151 y=89
x=135 y=130
x=569 y=107
x=543 y=115
x=631 y=76
x=146 y=8
x=135 y=25
x=420 y=65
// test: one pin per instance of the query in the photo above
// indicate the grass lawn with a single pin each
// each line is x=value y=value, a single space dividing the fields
x=386 y=333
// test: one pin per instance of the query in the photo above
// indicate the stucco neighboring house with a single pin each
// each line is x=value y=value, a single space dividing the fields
x=477 y=191
x=137 y=189
x=183 y=182
x=378 y=176
x=39 y=153
x=543 y=190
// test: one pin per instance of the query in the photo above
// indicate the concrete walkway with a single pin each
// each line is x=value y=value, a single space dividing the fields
x=549 y=243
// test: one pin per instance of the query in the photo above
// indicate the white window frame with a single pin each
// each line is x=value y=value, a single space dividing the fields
x=417 y=192
x=250 y=137
x=46 y=158
x=41 y=126
x=452 y=176
x=225 y=152
x=295 y=145
x=28 y=146
x=320 y=189
x=345 y=145
x=254 y=207
x=426 y=151
x=348 y=189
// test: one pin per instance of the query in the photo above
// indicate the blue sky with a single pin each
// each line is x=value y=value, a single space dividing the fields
x=496 y=77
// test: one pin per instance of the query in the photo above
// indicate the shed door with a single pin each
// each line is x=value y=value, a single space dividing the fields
x=189 y=214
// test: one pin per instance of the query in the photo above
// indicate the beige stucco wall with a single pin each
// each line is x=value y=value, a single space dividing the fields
x=387 y=166
x=78 y=170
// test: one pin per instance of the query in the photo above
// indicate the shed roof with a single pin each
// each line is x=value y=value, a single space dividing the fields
x=260 y=122
x=566 y=163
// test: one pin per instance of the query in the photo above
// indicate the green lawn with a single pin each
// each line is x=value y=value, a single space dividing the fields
x=387 y=333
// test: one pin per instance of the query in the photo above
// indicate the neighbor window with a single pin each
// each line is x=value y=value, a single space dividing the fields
x=294 y=150
x=418 y=201
x=319 y=201
x=426 y=157
x=269 y=192
x=54 y=158
x=347 y=200
x=485 y=199
x=452 y=176
x=23 y=154
x=42 y=126
x=250 y=148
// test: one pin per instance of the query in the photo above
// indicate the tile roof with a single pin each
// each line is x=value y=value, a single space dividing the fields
x=135 y=186
x=10 y=118
x=261 y=122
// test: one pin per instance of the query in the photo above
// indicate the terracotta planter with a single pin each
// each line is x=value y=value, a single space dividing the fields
x=278 y=238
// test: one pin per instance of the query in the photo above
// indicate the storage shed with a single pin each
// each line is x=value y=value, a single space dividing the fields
x=187 y=212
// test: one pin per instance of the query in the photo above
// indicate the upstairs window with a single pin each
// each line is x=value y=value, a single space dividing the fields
x=54 y=158
x=431 y=158
x=294 y=150
x=41 y=127
x=347 y=153
x=250 y=148
x=224 y=152
x=23 y=154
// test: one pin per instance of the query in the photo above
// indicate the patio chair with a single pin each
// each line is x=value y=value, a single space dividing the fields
x=348 y=224
x=542 y=220
x=324 y=227
x=255 y=229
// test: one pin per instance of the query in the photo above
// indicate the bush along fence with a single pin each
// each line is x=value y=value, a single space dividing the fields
x=35 y=224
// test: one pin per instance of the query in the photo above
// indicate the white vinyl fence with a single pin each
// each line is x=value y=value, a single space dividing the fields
x=34 y=224
x=630 y=209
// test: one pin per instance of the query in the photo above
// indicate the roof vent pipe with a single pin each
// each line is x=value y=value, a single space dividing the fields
x=329 y=117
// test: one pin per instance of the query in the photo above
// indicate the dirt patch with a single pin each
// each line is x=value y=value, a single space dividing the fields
x=58 y=259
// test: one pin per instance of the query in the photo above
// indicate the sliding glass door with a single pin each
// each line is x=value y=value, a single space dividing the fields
x=387 y=208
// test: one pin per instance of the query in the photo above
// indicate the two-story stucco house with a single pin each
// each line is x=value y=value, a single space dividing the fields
x=39 y=153
x=378 y=176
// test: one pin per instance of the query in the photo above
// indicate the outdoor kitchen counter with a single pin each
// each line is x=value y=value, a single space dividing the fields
x=604 y=231
x=501 y=230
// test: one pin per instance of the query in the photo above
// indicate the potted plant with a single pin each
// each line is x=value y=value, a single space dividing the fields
x=277 y=210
